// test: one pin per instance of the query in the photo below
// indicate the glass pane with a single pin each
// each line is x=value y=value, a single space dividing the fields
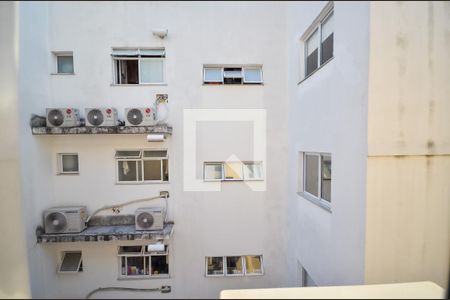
x=327 y=27
x=124 y=52
x=152 y=52
x=312 y=53
x=234 y=265
x=312 y=174
x=130 y=249
x=127 y=170
x=213 y=171
x=128 y=154
x=65 y=64
x=232 y=73
x=252 y=75
x=123 y=265
x=152 y=170
x=253 y=264
x=159 y=265
x=326 y=178
x=135 y=265
x=157 y=153
x=70 y=163
x=165 y=170
x=71 y=262
x=252 y=171
x=152 y=71
x=128 y=71
x=233 y=170
x=214 y=265
x=213 y=74
x=327 y=39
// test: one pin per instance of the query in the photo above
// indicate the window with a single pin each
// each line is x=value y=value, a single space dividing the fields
x=234 y=265
x=232 y=171
x=71 y=262
x=318 y=44
x=68 y=163
x=137 y=261
x=317 y=177
x=232 y=75
x=142 y=166
x=138 y=66
x=64 y=62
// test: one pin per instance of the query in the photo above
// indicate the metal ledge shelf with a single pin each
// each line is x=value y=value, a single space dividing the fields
x=159 y=129
x=108 y=233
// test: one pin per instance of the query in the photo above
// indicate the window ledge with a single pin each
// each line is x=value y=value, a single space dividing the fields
x=62 y=73
x=315 y=201
x=226 y=84
x=143 y=277
x=143 y=182
x=314 y=72
x=140 y=84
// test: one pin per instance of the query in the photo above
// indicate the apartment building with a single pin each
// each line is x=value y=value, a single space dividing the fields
x=300 y=144
x=372 y=119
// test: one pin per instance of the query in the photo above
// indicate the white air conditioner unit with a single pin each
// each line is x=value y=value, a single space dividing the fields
x=63 y=117
x=150 y=218
x=144 y=116
x=69 y=219
x=101 y=117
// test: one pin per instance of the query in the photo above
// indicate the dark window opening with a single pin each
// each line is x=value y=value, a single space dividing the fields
x=159 y=265
x=311 y=62
x=127 y=72
x=327 y=49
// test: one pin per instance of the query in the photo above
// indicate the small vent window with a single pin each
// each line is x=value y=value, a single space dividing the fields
x=71 y=262
x=232 y=75
x=68 y=163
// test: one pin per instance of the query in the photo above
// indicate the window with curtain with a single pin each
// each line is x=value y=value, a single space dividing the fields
x=247 y=265
x=138 y=66
x=142 y=166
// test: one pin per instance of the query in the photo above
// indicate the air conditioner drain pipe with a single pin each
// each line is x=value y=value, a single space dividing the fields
x=117 y=206
x=163 y=289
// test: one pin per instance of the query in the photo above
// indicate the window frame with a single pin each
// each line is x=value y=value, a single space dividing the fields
x=223 y=67
x=60 y=164
x=316 y=199
x=243 y=163
x=138 y=57
x=144 y=254
x=316 y=25
x=244 y=266
x=140 y=165
x=80 y=263
x=57 y=54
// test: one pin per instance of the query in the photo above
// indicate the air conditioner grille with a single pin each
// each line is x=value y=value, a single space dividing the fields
x=56 y=221
x=95 y=117
x=55 y=117
x=145 y=220
x=135 y=116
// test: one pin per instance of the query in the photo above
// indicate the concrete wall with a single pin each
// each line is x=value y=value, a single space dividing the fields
x=409 y=143
x=14 y=271
x=199 y=33
x=327 y=113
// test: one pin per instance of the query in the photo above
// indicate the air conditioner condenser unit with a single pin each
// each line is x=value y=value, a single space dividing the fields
x=150 y=218
x=141 y=116
x=101 y=117
x=68 y=219
x=63 y=117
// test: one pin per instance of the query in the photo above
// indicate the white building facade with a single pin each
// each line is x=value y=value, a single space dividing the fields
x=302 y=209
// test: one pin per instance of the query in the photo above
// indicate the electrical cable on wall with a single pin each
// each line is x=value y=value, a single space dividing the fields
x=116 y=207
x=163 y=289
